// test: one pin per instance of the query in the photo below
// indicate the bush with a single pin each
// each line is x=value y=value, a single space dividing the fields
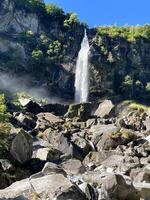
x=4 y=115
x=53 y=10
x=71 y=20
x=127 y=87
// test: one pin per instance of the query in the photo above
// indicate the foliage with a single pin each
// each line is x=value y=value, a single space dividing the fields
x=4 y=133
x=127 y=86
x=37 y=55
x=71 y=20
x=53 y=10
x=4 y=115
x=130 y=33
x=138 y=106
x=54 y=51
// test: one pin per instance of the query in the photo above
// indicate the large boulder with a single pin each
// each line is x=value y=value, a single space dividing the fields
x=49 y=154
x=26 y=121
x=115 y=187
x=52 y=186
x=97 y=131
x=81 y=111
x=104 y=109
x=22 y=146
x=111 y=140
x=58 y=141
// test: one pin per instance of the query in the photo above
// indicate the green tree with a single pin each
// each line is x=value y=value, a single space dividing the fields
x=71 y=21
x=127 y=87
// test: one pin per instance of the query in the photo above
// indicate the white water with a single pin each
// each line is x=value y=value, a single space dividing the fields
x=82 y=72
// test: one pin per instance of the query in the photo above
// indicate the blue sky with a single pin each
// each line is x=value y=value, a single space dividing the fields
x=102 y=12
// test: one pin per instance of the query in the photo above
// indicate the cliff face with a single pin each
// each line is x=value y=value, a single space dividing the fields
x=43 y=43
x=37 y=44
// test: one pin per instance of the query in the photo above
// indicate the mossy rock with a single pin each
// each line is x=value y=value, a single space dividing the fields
x=79 y=111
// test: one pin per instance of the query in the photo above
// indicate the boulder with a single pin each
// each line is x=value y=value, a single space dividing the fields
x=61 y=143
x=81 y=111
x=120 y=164
x=73 y=167
x=111 y=140
x=22 y=146
x=104 y=109
x=46 y=120
x=52 y=168
x=6 y=165
x=97 y=131
x=30 y=106
x=82 y=144
x=94 y=159
x=144 y=189
x=26 y=121
x=57 y=109
x=52 y=186
x=115 y=187
x=49 y=154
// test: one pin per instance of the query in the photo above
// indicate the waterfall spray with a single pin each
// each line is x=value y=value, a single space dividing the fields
x=82 y=72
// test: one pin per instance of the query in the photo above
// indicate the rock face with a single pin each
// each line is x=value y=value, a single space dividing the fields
x=18 y=21
x=21 y=147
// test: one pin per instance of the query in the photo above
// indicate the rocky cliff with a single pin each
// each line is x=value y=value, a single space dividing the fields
x=42 y=42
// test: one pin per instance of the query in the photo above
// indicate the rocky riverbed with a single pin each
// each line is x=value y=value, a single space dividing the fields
x=80 y=151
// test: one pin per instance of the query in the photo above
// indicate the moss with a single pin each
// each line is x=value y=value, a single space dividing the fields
x=36 y=196
x=122 y=134
x=137 y=106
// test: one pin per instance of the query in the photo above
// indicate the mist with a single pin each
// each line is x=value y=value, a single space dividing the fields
x=14 y=84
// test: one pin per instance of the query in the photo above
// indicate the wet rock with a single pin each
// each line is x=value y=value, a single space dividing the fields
x=22 y=146
x=104 y=109
x=115 y=187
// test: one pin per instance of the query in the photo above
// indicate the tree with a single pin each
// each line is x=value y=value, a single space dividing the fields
x=53 y=10
x=127 y=87
x=71 y=21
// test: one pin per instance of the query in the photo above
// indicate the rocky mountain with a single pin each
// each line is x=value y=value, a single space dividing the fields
x=98 y=150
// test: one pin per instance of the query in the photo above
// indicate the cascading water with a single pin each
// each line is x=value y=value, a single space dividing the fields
x=82 y=72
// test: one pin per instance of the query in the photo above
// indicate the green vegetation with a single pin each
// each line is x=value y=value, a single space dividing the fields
x=130 y=33
x=127 y=87
x=138 y=106
x=71 y=21
x=4 y=115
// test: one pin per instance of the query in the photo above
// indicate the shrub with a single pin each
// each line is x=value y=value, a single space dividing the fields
x=53 y=10
x=4 y=115
x=127 y=87
x=71 y=20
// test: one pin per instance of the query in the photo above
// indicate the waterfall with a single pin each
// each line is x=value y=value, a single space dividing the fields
x=82 y=72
